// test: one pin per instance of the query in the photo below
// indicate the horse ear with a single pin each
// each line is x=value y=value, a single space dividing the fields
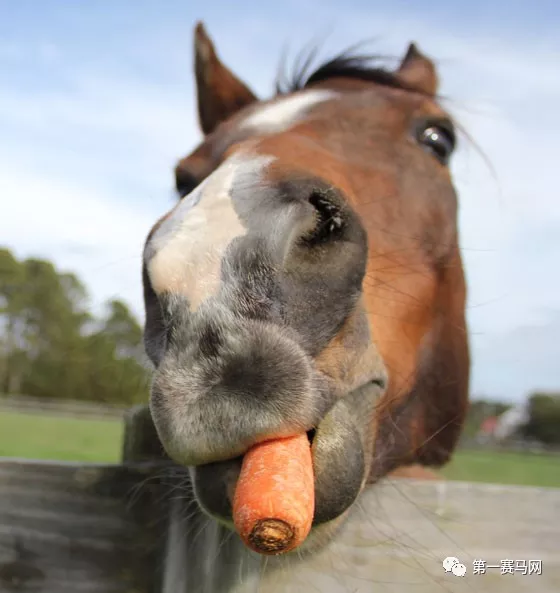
x=219 y=92
x=424 y=426
x=418 y=71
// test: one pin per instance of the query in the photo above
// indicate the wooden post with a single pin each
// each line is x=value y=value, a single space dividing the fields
x=141 y=442
x=199 y=555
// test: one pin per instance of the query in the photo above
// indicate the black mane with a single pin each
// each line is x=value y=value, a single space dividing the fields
x=345 y=65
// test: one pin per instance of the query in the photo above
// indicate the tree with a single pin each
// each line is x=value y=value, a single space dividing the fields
x=124 y=330
x=479 y=410
x=12 y=352
x=117 y=358
x=544 y=418
x=51 y=344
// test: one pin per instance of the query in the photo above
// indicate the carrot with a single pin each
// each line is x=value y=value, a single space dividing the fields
x=274 y=499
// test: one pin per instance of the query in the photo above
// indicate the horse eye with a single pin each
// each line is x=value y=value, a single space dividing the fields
x=438 y=140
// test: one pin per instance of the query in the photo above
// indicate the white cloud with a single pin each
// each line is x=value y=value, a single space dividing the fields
x=80 y=230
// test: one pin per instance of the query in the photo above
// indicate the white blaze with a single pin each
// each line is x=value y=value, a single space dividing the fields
x=184 y=255
x=282 y=114
x=187 y=249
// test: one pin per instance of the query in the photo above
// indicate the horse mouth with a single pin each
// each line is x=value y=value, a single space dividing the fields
x=232 y=482
x=340 y=461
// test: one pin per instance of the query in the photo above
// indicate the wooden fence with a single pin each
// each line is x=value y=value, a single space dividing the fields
x=70 y=408
x=134 y=528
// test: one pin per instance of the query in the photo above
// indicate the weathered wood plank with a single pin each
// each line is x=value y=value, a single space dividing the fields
x=66 y=528
x=395 y=542
x=399 y=537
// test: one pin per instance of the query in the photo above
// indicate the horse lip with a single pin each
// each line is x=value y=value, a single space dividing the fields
x=230 y=481
x=230 y=489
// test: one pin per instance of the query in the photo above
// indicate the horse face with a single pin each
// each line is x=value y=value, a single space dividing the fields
x=311 y=260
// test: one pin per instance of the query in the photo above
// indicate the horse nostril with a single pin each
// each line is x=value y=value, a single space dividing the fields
x=330 y=219
x=311 y=435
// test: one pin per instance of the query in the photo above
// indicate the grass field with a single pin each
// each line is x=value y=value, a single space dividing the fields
x=70 y=439
x=39 y=436
x=501 y=467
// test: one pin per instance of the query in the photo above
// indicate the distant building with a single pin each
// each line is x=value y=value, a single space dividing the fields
x=488 y=426
x=486 y=430
x=511 y=421
x=503 y=427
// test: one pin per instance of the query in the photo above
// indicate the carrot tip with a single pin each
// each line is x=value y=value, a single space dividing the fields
x=271 y=536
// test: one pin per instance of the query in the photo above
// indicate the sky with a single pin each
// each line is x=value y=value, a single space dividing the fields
x=97 y=104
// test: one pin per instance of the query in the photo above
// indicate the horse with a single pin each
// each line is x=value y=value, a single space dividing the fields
x=309 y=279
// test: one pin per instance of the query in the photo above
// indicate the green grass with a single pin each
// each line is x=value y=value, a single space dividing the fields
x=38 y=436
x=501 y=467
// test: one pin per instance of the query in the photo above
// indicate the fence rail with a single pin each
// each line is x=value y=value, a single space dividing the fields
x=135 y=527
x=509 y=446
x=71 y=408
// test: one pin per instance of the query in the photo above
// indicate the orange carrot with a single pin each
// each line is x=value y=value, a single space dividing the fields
x=274 y=499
